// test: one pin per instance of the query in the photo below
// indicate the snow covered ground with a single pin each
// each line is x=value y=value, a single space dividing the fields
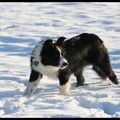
x=23 y=25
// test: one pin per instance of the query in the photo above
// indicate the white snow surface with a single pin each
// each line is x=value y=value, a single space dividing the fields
x=23 y=25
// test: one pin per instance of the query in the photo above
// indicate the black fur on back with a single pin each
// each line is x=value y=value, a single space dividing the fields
x=83 y=50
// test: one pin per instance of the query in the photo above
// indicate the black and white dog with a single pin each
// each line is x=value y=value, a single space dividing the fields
x=46 y=59
x=63 y=57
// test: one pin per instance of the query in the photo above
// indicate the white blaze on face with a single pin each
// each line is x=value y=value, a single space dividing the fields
x=62 y=59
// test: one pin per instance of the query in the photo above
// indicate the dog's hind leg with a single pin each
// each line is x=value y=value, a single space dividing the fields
x=99 y=72
x=105 y=65
x=109 y=72
x=33 y=82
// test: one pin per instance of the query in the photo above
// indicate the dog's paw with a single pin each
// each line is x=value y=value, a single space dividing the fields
x=64 y=89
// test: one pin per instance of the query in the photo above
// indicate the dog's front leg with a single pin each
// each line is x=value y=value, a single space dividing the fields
x=64 y=75
x=33 y=82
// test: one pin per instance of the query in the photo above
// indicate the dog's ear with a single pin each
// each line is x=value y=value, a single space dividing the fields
x=60 y=41
x=48 y=42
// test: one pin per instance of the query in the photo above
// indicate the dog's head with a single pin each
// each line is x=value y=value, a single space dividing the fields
x=53 y=55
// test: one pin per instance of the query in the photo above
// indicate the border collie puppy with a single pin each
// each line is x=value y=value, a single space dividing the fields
x=46 y=59
x=62 y=58
x=82 y=50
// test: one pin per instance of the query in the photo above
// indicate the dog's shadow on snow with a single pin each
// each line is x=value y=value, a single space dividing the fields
x=47 y=90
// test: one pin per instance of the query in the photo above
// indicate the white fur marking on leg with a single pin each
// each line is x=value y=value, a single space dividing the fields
x=65 y=88
x=107 y=80
x=31 y=87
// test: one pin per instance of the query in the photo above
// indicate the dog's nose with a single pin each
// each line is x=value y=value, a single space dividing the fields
x=64 y=64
